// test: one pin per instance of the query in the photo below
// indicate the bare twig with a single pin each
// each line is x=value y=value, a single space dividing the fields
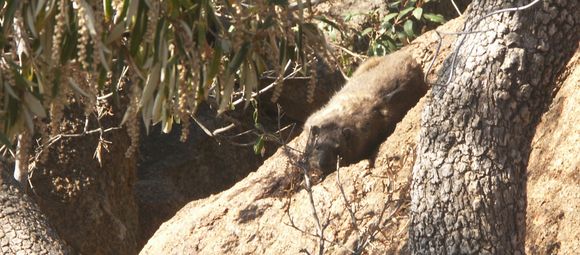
x=271 y=85
x=55 y=138
x=224 y=129
x=293 y=225
x=346 y=202
x=456 y=8
x=349 y=52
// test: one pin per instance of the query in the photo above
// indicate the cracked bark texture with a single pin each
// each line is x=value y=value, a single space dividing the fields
x=23 y=228
x=469 y=181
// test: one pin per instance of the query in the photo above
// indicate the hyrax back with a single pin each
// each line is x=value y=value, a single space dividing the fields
x=360 y=116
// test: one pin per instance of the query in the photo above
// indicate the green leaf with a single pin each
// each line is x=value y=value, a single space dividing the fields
x=394 y=4
x=201 y=32
x=10 y=91
x=250 y=79
x=146 y=114
x=28 y=118
x=167 y=124
x=259 y=145
x=34 y=105
x=108 y=8
x=151 y=84
x=366 y=31
x=213 y=67
x=300 y=46
x=405 y=11
x=389 y=17
x=77 y=88
x=29 y=20
x=391 y=46
x=131 y=11
x=408 y=27
x=417 y=13
x=116 y=32
x=157 y=106
x=437 y=18
x=9 y=11
x=226 y=96
x=138 y=29
x=238 y=58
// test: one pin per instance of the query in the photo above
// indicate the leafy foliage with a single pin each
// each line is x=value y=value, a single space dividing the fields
x=403 y=22
x=167 y=55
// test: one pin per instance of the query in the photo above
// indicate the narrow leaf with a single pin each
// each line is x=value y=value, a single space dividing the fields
x=159 y=100
x=28 y=118
x=11 y=91
x=405 y=11
x=226 y=94
x=408 y=27
x=167 y=124
x=90 y=18
x=146 y=114
x=151 y=84
x=389 y=17
x=30 y=22
x=367 y=30
x=417 y=13
x=238 y=58
x=77 y=88
x=250 y=83
x=116 y=32
x=437 y=18
x=34 y=105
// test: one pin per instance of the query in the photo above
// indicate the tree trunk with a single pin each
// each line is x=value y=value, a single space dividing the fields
x=469 y=181
x=91 y=206
x=23 y=228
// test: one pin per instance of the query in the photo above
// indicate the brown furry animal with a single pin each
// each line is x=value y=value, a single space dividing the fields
x=360 y=116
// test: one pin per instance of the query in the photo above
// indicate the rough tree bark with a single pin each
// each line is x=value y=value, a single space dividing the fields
x=23 y=228
x=469 y=181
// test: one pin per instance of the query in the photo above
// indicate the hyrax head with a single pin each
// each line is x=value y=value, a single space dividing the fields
x=329 y=142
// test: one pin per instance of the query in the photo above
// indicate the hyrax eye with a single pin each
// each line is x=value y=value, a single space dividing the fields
x=347 y=132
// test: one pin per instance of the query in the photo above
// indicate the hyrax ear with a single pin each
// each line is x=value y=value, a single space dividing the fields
x=347 y=133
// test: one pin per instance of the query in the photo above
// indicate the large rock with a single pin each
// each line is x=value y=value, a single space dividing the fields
x=270 y=213
x=172 y=173
x=553 y=215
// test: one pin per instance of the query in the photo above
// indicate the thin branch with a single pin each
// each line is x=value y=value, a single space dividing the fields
x=55 y=138
x=223 y=129
x=205 y=129
x=346 y=202
x=353 y=54
x=456 y=8
x=270 y=86
x=293 y=225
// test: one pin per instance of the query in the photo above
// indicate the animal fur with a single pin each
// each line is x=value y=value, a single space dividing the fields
x=360 y=116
